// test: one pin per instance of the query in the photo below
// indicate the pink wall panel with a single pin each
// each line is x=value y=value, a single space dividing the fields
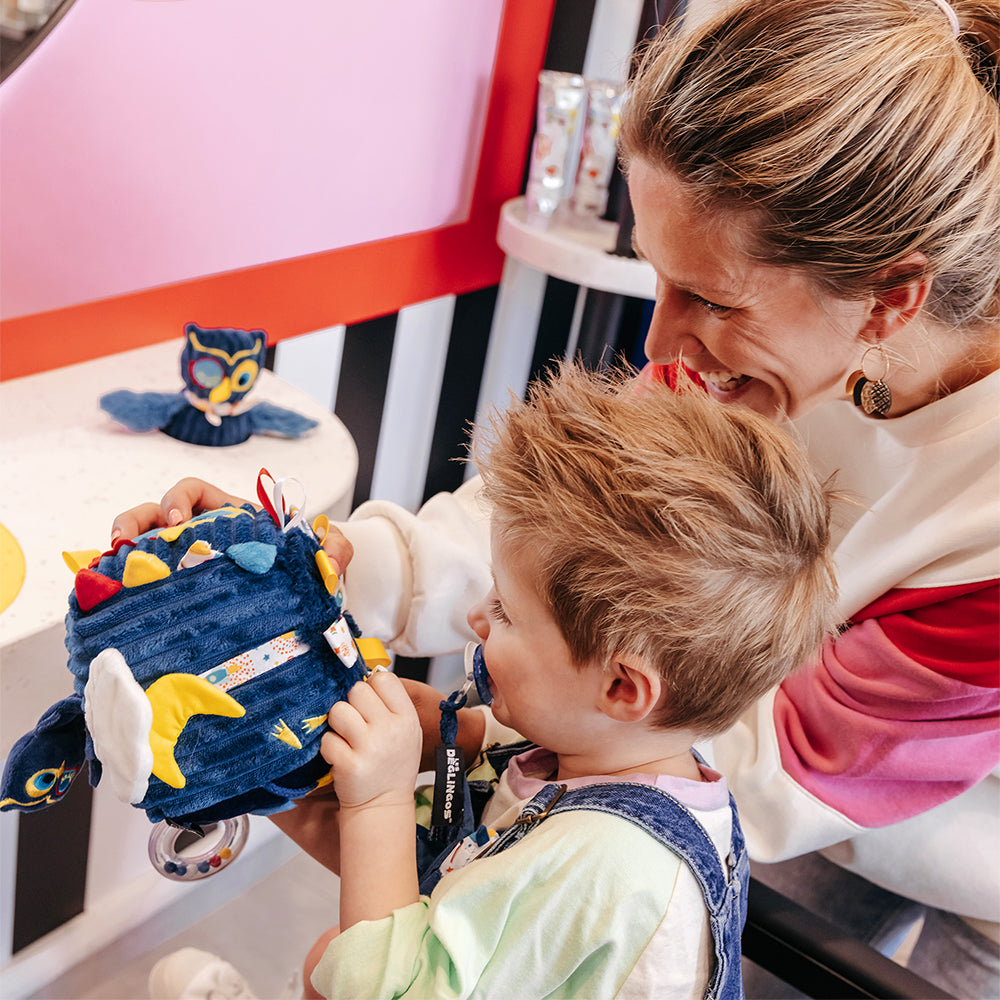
x=151 y=143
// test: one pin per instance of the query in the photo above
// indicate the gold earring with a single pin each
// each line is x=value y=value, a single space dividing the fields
x=870 y=392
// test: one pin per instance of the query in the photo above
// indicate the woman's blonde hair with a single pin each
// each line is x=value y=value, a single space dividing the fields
x=855 y=132
x=663 y=525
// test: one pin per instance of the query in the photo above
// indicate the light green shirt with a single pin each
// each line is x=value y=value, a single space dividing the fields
x=587 y=905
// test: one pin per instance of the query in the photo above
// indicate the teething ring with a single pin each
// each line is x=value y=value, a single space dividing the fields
x=217 y=849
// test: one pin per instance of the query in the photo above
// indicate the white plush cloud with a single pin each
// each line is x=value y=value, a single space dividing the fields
x=119 y=717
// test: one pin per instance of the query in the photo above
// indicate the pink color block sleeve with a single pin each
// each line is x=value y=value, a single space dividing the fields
x=901 y=712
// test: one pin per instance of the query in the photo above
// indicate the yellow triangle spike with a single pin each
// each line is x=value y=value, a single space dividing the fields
x=309 y=725
x=373 y=653
x=80 y=558
x=142 y=568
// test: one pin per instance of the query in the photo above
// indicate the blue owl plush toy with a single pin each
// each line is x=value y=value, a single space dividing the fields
x=204 y=660
x=219 y=368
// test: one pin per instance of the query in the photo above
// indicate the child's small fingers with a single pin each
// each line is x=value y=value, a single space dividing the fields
x=330 y=747
x=364 y=697
x=346 y=721
x=390 y=690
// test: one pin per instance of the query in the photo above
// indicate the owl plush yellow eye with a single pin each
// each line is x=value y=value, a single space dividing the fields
x=41 y=782
x=245 y=375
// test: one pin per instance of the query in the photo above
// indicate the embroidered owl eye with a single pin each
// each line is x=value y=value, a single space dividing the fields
x=207 y=373
x=50 y=779
x=41 y=782
x=245 y=375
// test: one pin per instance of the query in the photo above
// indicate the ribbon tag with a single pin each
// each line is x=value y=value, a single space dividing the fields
x=276 y=505
x=449 y=777
x=449 y=787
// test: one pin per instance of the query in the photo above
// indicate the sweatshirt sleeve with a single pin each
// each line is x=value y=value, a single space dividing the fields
x=898 y=715
x=566 y=912
x=414 y=577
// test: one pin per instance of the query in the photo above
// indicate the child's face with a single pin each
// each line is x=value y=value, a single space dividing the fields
x=537 y=689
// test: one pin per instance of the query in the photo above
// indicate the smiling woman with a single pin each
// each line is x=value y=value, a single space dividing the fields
x=817 y=187
x=754 y=333
x=818 y=190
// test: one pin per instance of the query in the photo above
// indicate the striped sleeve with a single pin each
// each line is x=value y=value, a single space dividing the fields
x=901 y=712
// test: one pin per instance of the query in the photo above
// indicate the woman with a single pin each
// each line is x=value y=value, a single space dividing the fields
x=817 y=187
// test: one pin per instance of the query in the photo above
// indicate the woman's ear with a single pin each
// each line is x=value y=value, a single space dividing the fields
x=631 y=689
x=897 y=306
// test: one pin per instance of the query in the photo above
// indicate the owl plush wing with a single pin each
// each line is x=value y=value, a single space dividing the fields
x=266 y=418
x=142 y=411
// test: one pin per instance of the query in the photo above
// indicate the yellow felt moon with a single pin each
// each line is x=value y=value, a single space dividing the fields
x=175 y=698
x=11 y=567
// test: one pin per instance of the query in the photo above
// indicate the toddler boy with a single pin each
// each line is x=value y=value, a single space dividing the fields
x=659 y=562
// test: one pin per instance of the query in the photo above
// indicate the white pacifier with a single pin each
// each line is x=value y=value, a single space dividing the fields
x=476 y=673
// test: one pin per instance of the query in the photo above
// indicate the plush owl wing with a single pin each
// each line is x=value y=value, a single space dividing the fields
x=266 y=418
x=142 y=411
x=43 y=763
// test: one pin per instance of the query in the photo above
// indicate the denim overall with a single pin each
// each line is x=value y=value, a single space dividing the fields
x=663 y=818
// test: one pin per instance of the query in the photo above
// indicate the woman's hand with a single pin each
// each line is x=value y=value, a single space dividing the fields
x=374 y=748
x=193 y=496
x=179 y=504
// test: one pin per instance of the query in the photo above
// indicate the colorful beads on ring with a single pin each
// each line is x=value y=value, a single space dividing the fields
x=227 y=842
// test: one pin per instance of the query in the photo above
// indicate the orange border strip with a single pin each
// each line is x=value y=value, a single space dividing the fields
x=295 y=296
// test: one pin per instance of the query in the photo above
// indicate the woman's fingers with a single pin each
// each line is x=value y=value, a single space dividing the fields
x=183 y=499
x=338 y=548
x=135 y=521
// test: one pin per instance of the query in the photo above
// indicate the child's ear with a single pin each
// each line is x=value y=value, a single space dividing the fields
x=631 y=689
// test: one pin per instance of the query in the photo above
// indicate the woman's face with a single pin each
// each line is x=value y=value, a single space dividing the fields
x=761 y=336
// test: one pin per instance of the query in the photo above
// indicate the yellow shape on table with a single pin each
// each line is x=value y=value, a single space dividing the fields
x=11 y=567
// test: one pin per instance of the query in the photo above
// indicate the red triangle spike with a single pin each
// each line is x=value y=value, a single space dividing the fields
x=93 y=588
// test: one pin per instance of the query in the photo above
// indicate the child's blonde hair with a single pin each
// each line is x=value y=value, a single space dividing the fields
x=664 y=525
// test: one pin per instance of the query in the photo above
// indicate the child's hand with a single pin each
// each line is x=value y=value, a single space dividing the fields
x=374 y=750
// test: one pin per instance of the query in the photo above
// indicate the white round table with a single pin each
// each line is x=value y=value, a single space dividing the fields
x=68 y=469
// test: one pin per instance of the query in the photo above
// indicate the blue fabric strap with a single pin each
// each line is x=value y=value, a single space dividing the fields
x=449 y=716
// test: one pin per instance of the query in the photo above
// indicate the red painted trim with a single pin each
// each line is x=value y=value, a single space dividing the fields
x=291 y=297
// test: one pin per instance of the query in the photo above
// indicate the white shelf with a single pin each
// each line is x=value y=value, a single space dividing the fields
x=574 y=253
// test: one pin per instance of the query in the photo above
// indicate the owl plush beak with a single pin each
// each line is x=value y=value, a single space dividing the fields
x=221 y=392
